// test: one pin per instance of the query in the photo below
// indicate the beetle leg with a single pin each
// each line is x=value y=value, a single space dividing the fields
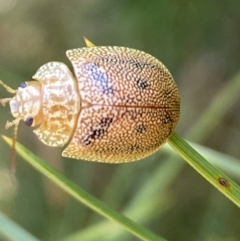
x=4 y=101
x=11 y=123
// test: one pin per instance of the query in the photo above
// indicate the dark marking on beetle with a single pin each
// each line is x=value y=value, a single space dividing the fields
x=105 y=122
x=133 y=148
x=133 y=62
x=167 y=117
x=142 y=84
x=98 y=131
x=167 y=93
x=110 y=60
x=87 y=141
x=140 y=129
x=100 y=77
x=28 y=121
x=149 y=65
x=22 y=85
x=170 y=131
x=223 y=182
x=137 y=64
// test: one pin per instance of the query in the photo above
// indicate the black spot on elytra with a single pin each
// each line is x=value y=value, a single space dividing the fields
x=111 y=60
x=142 y=84
x=105 y=122
x=133 y=62
x=149 y=65
x=167 y=93
x=133 y=148
x=140 y=128
x=98 y=131
x=153 y=66
x=137 y=64
x=167 y=117
x=100 y=77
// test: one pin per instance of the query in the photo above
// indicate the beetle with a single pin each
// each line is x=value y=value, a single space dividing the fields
x=120 y=105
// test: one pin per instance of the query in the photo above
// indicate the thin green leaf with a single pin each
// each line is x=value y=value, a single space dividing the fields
x=83 y=196
x=231 y=190
x=222 y=161
x=12 y=231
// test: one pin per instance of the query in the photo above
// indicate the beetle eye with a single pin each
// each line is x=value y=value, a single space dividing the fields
x=28 y=121
x=22 y=85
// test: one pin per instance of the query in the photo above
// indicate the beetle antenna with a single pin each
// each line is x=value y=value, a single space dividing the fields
x=12 y=162
x=15 y=122
x=8 y=88
x=13 y=150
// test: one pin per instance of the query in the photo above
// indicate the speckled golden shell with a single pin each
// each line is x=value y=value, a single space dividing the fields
x=128 y=104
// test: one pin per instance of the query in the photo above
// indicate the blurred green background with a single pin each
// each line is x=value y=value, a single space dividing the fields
x=199 y=42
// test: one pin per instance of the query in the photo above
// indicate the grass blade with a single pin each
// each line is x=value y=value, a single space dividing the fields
x=219 y=180
x=83 y=196
x=12 y=231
